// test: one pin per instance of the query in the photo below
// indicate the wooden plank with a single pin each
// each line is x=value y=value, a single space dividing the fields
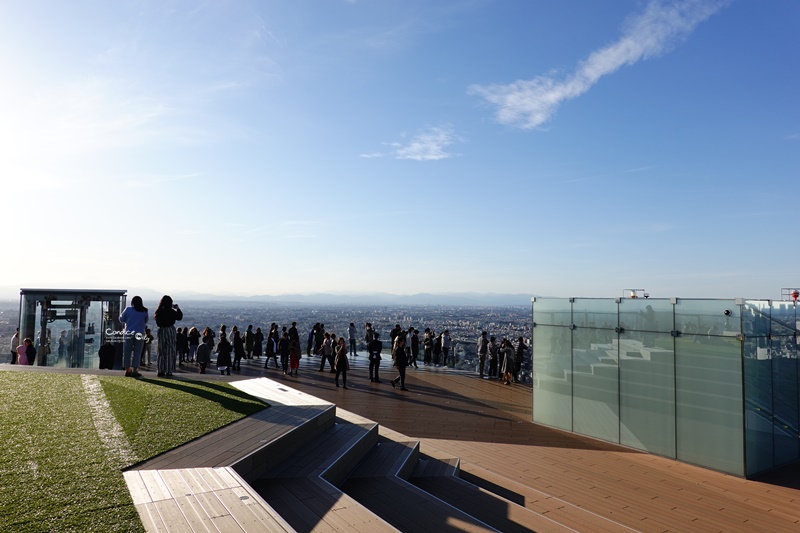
x=195 y=515
x=137 y=487
x=175 y=483
x=151 y=520
x=173 y=518
x=156 y=486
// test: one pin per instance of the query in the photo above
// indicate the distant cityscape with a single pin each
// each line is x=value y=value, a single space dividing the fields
x=464 y=323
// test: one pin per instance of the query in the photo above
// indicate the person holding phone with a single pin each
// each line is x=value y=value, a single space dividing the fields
x=166 y=315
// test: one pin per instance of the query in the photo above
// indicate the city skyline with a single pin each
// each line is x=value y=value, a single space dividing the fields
x=564 y=149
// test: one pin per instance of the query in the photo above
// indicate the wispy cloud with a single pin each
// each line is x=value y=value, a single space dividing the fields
x=664 y=24
x=430 y=144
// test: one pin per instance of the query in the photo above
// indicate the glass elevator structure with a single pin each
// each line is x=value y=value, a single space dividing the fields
x=68 y=326
x=708 y=382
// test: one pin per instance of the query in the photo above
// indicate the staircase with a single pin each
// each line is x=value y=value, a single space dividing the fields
x=359 y=476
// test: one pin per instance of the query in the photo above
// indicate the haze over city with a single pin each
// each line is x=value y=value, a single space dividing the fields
x=573 y=148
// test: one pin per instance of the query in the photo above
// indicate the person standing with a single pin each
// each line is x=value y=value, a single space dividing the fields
x=414 y=348
x=63 y=345
x=311 y=334
x=238 y=349
x=14 y=345
x=319 y=337
x=340 y=363
x=326 y=352
x=352 y=332
x=203 y=354
x=374 y=348
x=135 y=319
x=492 y=351
x=508 y=361
x=483 y=350
x=521 y=349
x=427 y=343
x=408 y=334
x=249 y=341
x=148 y=347
x=294 y=355
x=258 y=343
x=224 y=354
x=283 y=349
x=437 y=350
x=446 y=349
x=166 y=315
x=194 y=343
x=369 y=335
x=272 y=346
x=106 y=356
x=26 y=352
x=400 y=361
x=182 y=342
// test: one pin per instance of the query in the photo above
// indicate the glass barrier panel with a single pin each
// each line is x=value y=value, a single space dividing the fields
x=552 y=311
x=708 y=317
x=647 y=315
x=595 y=408
x=756 y=318
x=601 y=313
x=785 y=400
x=552 y=376
x=709 y=400
x=758 y=404
x=647 y=394
x=783 y=318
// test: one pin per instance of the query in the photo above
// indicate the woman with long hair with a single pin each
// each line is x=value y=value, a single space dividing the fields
x=166 y=315
x=135 y=319
x=507 y=347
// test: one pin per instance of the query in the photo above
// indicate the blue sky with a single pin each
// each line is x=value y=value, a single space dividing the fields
x=571 y=148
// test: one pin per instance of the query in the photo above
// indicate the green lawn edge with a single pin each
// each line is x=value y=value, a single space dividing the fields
x=56 y=471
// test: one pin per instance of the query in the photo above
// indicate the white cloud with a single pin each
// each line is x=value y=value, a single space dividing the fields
x=529 y=103
x=431 y=144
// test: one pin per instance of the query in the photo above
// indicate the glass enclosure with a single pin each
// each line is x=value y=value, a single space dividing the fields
x=68 y=327
x=708 y=382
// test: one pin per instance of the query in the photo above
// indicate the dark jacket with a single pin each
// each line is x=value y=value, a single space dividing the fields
x=167 y=316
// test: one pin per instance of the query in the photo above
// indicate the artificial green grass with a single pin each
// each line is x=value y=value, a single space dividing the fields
x=55 y=472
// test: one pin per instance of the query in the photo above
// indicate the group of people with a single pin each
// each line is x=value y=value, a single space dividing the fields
x=505 y=362
x=282 y=346
x=230 y=351
x=24 y=352
x=137 y=337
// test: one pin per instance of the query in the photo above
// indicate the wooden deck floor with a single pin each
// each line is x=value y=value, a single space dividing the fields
x=580 y=482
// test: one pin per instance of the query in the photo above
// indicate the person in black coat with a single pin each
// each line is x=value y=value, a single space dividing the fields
x=401 y=361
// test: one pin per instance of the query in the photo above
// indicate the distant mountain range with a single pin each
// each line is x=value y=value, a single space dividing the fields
x=372 y=298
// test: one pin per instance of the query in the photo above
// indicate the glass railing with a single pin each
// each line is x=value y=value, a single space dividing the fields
x=708 y=382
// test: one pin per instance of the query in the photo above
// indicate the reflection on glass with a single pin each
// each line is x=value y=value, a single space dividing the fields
x=708 y=317
x=647 y=394
x=553 y=311
x=709 y=401
x=708 y=395
x=596 y=383
x=595 y=313
x=552 y=376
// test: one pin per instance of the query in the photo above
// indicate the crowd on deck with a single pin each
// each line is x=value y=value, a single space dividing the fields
x=282 y=345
